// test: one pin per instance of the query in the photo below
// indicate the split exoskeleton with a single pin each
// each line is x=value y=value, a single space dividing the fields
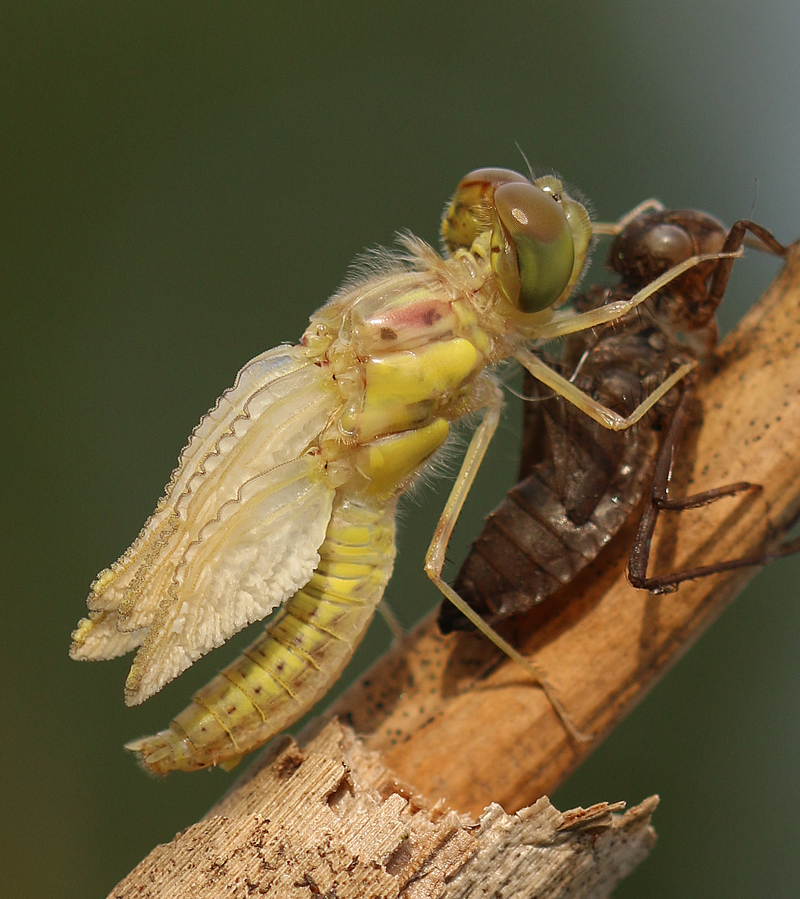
x=580 y=484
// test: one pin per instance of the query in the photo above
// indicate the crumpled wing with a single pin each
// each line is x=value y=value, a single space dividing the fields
x=256 y=553
x=235 y=534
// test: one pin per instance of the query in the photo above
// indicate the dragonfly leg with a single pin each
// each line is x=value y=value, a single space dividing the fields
x=571 y=322
x=597 y=411
x=737 y=236
x=493 y=404
x=434 y=558
x=614 y=228
x=392 y=621
x=660 y=501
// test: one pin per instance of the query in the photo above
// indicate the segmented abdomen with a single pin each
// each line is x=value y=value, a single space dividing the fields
x=530 y=546
x=293 y=663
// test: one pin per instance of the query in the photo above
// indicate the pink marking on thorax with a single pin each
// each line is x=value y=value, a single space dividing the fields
x=423 y=314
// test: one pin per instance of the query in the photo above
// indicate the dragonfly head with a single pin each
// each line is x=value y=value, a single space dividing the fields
x=538 y=234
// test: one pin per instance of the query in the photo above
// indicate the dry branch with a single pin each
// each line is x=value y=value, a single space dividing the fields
x=467 y=728
x=329 y=820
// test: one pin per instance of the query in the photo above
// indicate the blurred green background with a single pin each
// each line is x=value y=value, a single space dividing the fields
x=180 y=186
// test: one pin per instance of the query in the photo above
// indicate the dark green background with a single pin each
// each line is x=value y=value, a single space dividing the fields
x=179 y=187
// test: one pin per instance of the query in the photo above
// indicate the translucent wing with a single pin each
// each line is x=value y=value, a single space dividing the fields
x=236 y=533
x=259 y=551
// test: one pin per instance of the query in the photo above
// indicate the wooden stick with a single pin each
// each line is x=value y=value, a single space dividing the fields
x=468 y=729
x=330 y=820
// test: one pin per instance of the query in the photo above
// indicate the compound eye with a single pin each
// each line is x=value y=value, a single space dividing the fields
x=668 y=244
x=647 y=249
x=533 y=253
x=492 y=177
x=472 y=207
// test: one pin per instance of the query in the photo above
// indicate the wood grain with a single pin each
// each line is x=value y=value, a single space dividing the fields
x=330 y=820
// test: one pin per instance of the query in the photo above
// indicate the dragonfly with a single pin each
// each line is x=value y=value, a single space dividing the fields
x=285 y=496
x=579 y=483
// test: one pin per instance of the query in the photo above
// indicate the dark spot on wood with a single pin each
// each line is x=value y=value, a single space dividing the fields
x=399 y=859
x=288 y=766
x=343 y=791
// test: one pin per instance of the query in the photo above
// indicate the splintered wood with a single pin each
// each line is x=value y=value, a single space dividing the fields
x=329 y=820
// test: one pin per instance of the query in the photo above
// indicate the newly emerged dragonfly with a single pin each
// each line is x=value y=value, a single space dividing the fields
x=579 y=484
x=286 y=493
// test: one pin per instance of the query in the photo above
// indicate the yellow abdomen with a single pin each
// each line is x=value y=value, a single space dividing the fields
x=300 y=654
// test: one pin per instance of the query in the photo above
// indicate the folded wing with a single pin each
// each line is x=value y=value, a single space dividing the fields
x=235 y=535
